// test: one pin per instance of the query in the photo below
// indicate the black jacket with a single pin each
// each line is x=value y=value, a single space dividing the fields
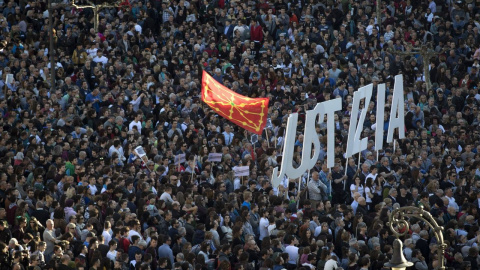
x=41 y=215
x=424 y=248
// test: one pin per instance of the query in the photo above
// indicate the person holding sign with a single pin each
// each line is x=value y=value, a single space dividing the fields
x=317 y=190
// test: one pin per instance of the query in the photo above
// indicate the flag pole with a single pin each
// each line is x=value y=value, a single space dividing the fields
x=266 y=135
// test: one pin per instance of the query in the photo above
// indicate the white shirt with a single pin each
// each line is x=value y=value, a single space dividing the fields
x=367 y=198
x=166 y=197
x=119 y=151
x=270 y=228
x=237 y=183
x=112 y=255
x=107 y=237
x=361 y=190
x=292 y=254
x=318 y=230
x=93 y=189
x=102 y=59
x=330 y=265
x=137 y=124
x=432 y=6
x=92 y=52
x=263 y=227
x=132 y=233
x=451 y=202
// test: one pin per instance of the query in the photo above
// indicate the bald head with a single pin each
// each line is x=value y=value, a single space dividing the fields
x=361 y=201
x=65 y=259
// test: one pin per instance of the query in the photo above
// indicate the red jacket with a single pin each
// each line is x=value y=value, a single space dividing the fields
x=256 y=33
x=124 y=243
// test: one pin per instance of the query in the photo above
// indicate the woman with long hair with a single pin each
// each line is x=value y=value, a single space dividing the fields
x=227 y=228
x=306 y=238
x=247 y=227
x=19 y=229
x=369 y=192
x=59 y=219
x=237 y=236
x=34 y=227
x=22 y=211
x=357 y=186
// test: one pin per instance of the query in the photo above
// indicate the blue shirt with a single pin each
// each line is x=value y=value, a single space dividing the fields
x=131 y=252
x=164 y=251
x=323 y=178
x=247 y=204
x=91 y=98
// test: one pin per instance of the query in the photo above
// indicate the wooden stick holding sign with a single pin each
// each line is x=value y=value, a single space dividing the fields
x=298 y=191
x=266 y=136
x=179 y=159
x=193 y=166
x=254 y=140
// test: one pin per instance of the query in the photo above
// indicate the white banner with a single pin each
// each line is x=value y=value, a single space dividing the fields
x=241 y=171
x=215 y=157
x=179 y=159
x=141 y=153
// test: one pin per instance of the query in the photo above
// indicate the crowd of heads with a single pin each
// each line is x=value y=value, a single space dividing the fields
x=105 y=140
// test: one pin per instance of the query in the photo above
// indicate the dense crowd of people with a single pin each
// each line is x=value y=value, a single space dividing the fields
x=77 y=192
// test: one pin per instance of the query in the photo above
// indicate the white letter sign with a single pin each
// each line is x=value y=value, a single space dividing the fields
x=380 y=117
x=354 y=144
x=397 y=113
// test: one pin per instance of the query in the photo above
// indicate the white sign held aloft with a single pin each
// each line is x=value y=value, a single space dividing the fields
x=397 y=113
x=241 y=171
x=179 y=159
x=215 y=157
x=355 y=144
x=141 y=153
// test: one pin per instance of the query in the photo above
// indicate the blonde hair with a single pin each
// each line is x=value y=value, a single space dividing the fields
x=70 y=191
x=387 y=201
x=49 y=199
